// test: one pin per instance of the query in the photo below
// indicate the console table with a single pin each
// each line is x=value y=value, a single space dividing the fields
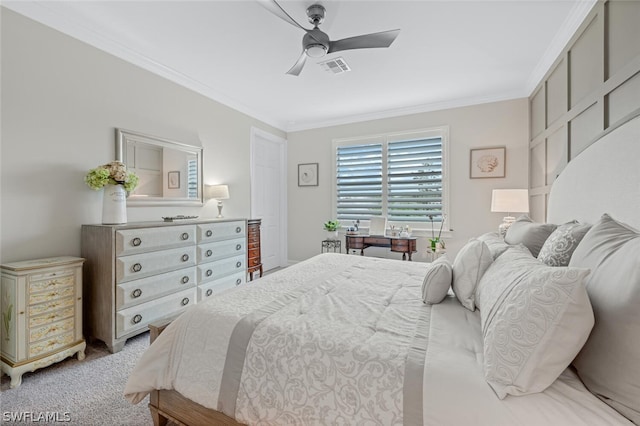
x=406 y=245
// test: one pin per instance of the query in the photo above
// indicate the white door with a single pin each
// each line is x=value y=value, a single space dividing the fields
x=269 y=196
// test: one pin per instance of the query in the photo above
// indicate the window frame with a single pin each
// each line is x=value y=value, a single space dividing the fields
x=384 y=139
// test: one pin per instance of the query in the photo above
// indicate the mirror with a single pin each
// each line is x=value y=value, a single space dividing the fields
x=170 y=172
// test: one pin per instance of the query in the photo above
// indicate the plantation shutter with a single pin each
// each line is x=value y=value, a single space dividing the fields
x=414 y=179
x=192 y=178
x=359 y=181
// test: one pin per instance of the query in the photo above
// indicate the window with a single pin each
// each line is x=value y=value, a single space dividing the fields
x=400 y=176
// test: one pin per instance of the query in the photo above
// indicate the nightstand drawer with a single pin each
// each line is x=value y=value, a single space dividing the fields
x=50 y=344
x=50 y=296
x=144 y=265
x=51 y=330
x=131 y=241
x=220 y=250
x=51 y=306
x=49 y=317
x=54 y=283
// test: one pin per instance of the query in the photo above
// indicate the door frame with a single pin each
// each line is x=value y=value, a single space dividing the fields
x=282 y=143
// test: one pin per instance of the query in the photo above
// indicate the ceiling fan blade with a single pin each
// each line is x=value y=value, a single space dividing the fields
x=273 y=7
x=297 y=67
x=367 y=41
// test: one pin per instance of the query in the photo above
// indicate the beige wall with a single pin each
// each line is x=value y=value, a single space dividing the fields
x=594 y=84
x=493 y=124
x=61 y=101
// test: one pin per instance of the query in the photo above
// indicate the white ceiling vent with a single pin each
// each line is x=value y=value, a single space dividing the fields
x=336 y=65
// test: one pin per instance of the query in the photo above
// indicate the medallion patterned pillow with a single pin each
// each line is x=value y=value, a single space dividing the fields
x=559 y=247
x=437 y=281
x=534 y=317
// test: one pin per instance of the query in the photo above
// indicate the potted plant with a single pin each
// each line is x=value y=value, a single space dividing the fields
x=332 y=226
x=117 y=182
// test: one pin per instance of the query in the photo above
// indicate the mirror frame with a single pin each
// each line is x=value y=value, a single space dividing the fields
x=123 y=136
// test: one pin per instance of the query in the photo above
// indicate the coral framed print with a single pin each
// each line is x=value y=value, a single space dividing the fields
x=308 y=174
x=487 y=162
x=174 y=180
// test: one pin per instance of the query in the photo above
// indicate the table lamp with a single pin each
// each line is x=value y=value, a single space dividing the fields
x=217 y=192
x=509 y=201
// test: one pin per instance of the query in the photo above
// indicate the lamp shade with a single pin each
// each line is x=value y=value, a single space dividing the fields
x=216 y=192
x=510 y=200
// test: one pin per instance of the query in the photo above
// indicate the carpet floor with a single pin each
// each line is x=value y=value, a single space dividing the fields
x=87 y=393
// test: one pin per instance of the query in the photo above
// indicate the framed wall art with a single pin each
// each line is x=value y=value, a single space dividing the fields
x=174 y=180
x=487 y=162
x=308 y=174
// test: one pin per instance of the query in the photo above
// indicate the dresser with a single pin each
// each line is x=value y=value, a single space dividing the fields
x=143 y=272
x=254 y=257
x=41 y=314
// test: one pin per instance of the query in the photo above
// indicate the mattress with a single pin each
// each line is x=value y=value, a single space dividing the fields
x=345 y=339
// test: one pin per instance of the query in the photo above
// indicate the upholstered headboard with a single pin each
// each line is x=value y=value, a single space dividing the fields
x=604 y=178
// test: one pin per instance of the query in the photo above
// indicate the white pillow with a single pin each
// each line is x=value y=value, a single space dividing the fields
x=534 y=317
x=469 y=265
x=437 y=281
x=609 y=363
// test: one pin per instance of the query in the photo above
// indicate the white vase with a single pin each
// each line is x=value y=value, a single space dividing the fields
x=332 y=235
x=114 y=205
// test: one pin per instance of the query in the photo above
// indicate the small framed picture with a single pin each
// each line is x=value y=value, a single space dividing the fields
x=174 y=180
x=487 y=162
x=308 y=174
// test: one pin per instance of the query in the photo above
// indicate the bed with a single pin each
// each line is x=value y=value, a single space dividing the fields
x=341 y=339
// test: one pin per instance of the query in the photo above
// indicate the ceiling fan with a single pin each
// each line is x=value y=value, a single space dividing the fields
x=316 y=44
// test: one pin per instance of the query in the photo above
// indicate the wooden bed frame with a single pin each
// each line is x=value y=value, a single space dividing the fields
x=169 y=407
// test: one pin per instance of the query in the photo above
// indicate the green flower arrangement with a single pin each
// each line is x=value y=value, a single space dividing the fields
x=114 y=173
x=331 y=225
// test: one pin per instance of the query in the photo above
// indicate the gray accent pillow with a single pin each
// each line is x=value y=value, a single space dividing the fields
x=609 y=363
x=495 y=243
x=559 y=247
x=534 y=318
x=531 y=234
x=468 y=267
x=437 y=281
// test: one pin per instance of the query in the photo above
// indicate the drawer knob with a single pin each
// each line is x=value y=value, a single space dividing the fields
x=185 y=257
x=136 y=267
x=238 y=246
x=209 y=253
x=184 y=236
x=209 y=272
x=209 y=233
x=185 y=301
x=238 y=230
x=136 y=242
x=209 y=292
x=238 y=264
x=184 y=279
x=136 y=293
x=238 y=281
x=136 y=318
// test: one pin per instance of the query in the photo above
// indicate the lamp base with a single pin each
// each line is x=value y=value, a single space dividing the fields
x=220 y=210
x=505 y=225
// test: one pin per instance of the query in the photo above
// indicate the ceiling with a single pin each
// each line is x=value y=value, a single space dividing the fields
x=449 y=53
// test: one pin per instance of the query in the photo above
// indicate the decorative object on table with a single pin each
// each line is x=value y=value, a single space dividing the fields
x=117 y=182
x=178 y=217
x=173 y=179
x=331 y=226
x=487 y=163
x=217 y=192
x=378 y=226
x=436 y=243
x=509 y=201
x=308 y=174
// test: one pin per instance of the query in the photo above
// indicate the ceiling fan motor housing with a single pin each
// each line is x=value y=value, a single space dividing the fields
x=315 y=43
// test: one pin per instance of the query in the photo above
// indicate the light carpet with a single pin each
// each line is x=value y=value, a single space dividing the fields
x=87 y=393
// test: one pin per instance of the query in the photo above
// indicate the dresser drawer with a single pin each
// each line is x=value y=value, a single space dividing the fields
x=208 y=232
x=138 y=317
x=221 y=249
x=51 y=295
x=49 y=317
x=131 y=241
x=51 y=306
x=51 y=344
x=51 y=283
x=144 y=265
x=221 y=268
x=139 y=291
x=51 y=330
x=216 y=286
